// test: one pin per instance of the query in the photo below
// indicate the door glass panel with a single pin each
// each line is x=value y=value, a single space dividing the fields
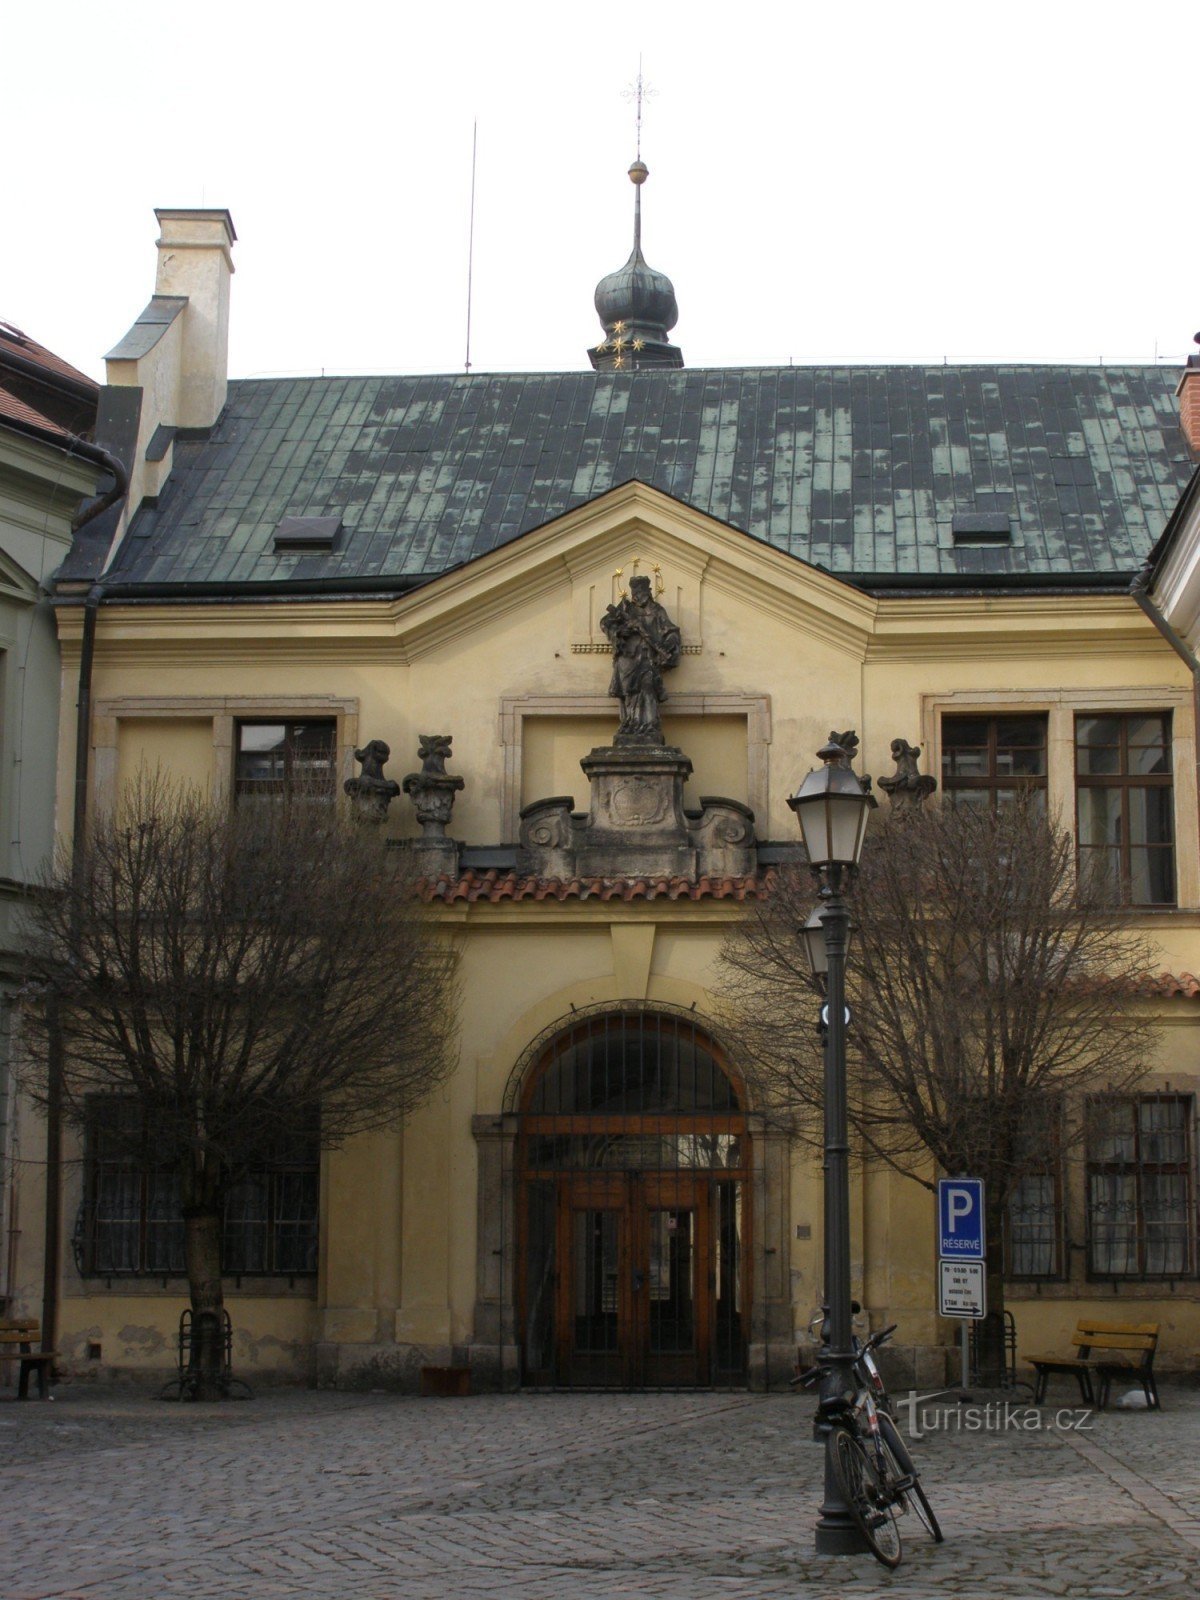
x=539 y=1276
x=727 y=1249
x=595 y=1238
x=672 y=1282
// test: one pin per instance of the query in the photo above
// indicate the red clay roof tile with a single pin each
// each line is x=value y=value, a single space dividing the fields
x=495 y=886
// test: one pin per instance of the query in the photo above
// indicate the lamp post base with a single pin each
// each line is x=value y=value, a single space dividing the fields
x=838 y=1536
x=837 y=1533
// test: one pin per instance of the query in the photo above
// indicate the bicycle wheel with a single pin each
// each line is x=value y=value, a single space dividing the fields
x=896 y=1448
x=866 y=1496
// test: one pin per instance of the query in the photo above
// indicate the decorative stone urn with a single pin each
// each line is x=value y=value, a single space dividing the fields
x=432 y=792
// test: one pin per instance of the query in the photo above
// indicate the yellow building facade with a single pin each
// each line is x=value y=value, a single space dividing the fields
x=488 y=1232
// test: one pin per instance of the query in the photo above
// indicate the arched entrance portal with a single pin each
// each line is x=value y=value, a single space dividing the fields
x=633 y=1207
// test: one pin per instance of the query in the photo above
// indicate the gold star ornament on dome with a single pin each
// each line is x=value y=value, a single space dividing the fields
x=618 y=327
x=619 y=362
x=639 y=344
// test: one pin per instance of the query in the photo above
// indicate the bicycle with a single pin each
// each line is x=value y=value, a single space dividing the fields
x=870 y=1461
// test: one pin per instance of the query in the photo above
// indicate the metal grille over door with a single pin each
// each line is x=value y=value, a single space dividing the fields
x=633 y=1218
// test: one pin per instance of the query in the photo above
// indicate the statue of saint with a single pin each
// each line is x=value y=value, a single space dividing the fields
x=646 y=643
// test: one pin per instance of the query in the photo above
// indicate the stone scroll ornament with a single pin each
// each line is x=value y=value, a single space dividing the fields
x=907 y=788
x=371 y=792
x=645 y=644
x=432 y=790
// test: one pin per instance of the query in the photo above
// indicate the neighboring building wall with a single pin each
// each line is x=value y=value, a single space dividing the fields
x=40 y=488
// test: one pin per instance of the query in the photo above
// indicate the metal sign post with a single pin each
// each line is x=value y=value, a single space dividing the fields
x=962 y=1251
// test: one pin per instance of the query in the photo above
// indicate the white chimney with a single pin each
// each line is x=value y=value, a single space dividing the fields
x=195 y=262
x=175 y=355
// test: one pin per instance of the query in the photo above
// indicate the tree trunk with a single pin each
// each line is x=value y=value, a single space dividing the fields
x=990 y=1332
x=205 y=1374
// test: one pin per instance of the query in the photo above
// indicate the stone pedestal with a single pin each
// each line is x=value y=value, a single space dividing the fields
x=636 y=826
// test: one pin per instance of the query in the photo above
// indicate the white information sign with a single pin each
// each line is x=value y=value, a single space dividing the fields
x=961 y=1289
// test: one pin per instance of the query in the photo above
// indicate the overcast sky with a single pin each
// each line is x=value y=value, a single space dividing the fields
x=861 y=183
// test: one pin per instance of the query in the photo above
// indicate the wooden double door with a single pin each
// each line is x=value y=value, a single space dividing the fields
x=636 y=1280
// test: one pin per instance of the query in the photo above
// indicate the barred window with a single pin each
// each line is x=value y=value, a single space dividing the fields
x=1140 y=1208
x=1033 y=1244
x=278 y=758
x=988 y=760
x=1125 y=806
x=131 y=1226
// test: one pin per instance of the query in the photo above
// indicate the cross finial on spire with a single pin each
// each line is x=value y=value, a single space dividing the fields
x=639 y=92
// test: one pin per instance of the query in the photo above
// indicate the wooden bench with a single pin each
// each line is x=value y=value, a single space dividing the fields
x=17 y=1335
x=1104 y=1351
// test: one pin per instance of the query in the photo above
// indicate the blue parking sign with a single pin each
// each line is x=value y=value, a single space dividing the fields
x=960 y=1219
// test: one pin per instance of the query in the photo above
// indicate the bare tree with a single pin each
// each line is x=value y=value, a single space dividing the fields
x=988 y=987
x=239 y=975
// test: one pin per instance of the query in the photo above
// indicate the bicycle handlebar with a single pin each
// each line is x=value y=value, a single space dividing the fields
x=881 y=1337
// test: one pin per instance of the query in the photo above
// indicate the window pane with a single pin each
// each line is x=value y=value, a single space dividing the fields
x=1021 y=745
x=1162 y=1126
x=244 y=1245
x=257 y=737
x=295 y=1230
x=1035 y=798
x=1152 y=877
x=1164 y=1207
x=1112 y=1200
x=117 y=1221
x=1100 y=816
x=1111 y=1131
x=1100 y=875
x=165 y=1249
x=1094 y=731
x=1099 y=761
x=1033 y=1227
x=1149 y=815
x=980 y=798
x=957 y=731
x=1147 y=731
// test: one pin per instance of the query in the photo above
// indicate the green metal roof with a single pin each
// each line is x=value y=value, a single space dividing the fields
x=861 y=470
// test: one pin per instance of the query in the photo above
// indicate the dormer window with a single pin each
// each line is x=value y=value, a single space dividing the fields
x=981 y=527
x=307 y=533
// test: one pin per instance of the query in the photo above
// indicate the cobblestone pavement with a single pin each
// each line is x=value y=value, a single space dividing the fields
x=110 y=1495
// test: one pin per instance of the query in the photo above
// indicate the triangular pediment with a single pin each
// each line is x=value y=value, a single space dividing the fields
x=15 y=582
x=592 y=551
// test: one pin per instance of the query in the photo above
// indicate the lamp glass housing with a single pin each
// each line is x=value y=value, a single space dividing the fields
x=832 y=808
x=813 y=934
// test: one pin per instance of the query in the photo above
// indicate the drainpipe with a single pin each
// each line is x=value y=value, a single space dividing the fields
x=1140 y=590
x=52 y=1243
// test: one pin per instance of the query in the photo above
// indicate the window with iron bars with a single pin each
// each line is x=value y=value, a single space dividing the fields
x=275 y=759
x=130 y=1223
x=1033 y=1223
x=1141 y=1214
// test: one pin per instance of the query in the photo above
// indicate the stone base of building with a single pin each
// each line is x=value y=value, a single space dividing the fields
x=398 y=1367
x=916 y=1366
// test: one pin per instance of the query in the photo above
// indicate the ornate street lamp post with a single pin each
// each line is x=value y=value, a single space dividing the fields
x=831 y=807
